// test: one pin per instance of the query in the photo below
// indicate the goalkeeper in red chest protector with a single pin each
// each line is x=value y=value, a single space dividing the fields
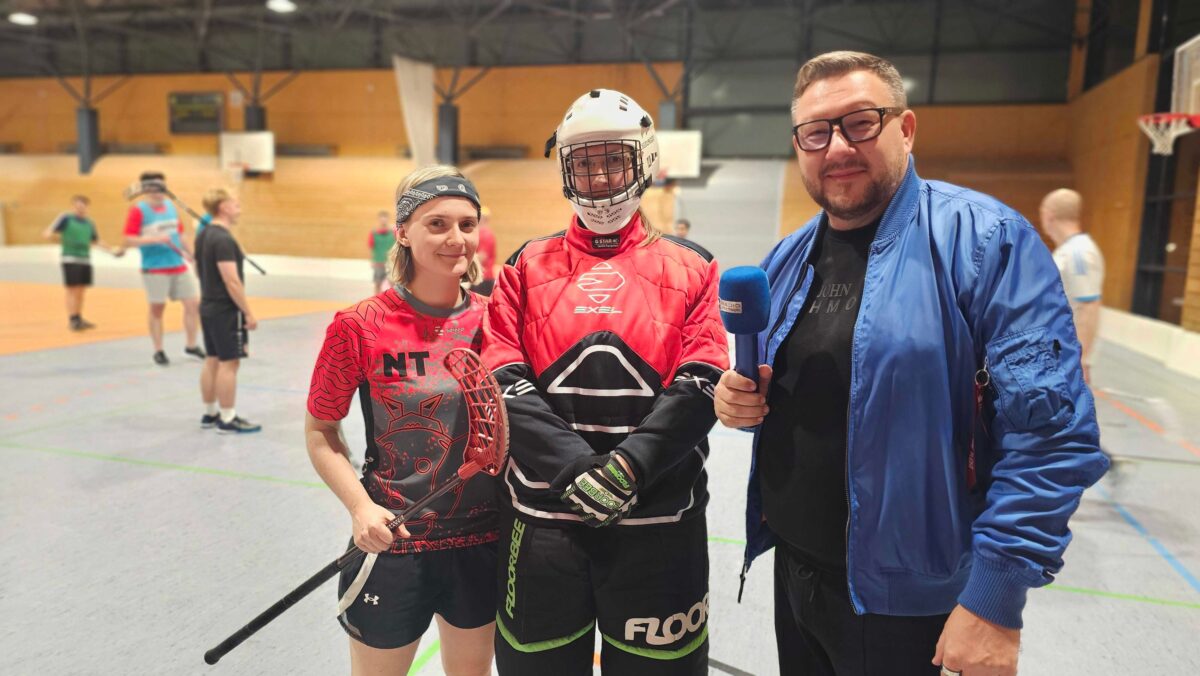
x=606 y=341
x=389 y=349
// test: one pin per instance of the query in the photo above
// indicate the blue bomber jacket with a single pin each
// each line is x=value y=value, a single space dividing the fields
x=958 y=287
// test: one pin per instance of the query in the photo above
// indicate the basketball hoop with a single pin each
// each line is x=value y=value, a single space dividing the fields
x=1164 y=128
x=235 y=172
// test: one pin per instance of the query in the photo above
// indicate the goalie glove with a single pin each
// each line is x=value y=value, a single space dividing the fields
x=602 y=494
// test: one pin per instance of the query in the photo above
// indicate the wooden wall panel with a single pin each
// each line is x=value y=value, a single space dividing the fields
x=1108 y=155
x=523 y=105
x=358 y=111
x=1191 y=295
x=983 y=133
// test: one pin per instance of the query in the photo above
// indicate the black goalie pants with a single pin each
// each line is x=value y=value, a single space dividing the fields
x=645 y=588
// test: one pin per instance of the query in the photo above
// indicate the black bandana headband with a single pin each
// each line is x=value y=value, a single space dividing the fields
x=446 y=186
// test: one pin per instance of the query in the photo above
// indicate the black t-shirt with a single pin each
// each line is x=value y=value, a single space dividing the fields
x=216 y=244
x=802 y=451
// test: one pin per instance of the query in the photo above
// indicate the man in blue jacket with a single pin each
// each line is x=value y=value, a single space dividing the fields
x=922 y=431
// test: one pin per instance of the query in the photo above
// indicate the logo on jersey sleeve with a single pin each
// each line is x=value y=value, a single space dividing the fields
x=599 y=285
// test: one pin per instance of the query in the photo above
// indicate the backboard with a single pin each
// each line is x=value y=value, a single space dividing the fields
x=252 y=151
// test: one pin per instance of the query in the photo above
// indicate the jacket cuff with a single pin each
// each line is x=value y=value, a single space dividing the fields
x=996 y=592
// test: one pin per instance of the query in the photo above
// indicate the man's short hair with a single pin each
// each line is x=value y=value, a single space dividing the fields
x=385 y=214
x=152 y=176
x=213 y=198
x=684 y=222
x=1064 y=204
x=80 y=198
x=836 y=64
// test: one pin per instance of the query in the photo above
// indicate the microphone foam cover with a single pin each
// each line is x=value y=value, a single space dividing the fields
x=745 y=299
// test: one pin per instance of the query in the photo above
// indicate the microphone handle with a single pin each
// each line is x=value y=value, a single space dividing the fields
x=746 y=356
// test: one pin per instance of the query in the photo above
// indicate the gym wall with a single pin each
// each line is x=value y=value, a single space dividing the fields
x=356 y=111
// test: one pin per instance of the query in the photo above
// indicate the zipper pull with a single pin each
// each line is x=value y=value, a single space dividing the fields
x=983 y=377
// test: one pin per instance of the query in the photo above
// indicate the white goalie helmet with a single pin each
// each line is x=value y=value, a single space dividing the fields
x=608 y=156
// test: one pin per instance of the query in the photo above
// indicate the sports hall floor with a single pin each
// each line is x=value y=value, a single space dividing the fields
x=134 y=540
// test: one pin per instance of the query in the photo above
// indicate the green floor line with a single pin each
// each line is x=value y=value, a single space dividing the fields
x=1124 y=597
x=76 y=419
x=1054 y=587
x=162 y=465
x=424 y=657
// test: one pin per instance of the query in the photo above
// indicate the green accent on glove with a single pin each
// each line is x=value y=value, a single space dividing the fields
x=614 y=470
x=597 y=493
x=601 y=495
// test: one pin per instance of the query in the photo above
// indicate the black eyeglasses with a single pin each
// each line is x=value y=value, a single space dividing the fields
x=857 y=126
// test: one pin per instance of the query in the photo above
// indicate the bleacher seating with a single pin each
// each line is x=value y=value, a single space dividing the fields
x=117 y=148
x=473 y=153
x=312 y=207
x=305 y=150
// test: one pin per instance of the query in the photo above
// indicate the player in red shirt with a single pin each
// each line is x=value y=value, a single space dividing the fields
x=155 y=228
x=389 y=348
x=487 y=254
x=607 y=342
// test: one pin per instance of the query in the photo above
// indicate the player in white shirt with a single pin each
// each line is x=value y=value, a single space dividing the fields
x=1079 y=262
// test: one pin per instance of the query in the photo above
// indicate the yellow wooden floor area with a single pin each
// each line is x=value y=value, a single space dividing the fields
x=34 y=317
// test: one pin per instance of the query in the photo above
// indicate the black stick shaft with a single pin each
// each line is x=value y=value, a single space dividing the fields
x=424 y=502
x=308 y=586
x=196 y=216
x=280 y=606
x=254 y=265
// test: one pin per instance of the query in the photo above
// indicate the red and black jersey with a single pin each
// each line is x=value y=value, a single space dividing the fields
x=604 y=342
x=390 y=349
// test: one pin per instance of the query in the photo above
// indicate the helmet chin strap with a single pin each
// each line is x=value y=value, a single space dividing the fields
x=607 y=219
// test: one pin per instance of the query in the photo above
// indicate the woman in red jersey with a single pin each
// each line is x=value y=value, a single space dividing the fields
x=389 y=348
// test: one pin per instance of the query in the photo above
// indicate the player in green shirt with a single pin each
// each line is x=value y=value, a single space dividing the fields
x=77 y=233
x=380 y=243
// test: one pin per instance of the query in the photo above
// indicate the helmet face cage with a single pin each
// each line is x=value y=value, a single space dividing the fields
x=580 y=163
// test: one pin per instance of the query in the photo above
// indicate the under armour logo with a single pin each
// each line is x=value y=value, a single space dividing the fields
x=373 y=600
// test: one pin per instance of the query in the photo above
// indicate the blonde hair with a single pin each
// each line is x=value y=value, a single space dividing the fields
x=652 y=232
x=836 y=64
x=400 y=260
x=213 y=198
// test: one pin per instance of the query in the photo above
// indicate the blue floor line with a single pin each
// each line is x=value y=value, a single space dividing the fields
x=1158 y=546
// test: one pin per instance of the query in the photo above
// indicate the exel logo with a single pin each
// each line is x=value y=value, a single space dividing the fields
x=599 y=283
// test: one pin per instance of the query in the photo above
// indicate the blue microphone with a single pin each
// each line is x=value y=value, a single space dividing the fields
x=745 y=300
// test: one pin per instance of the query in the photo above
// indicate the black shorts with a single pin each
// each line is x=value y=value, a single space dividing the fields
x=403 y=591
x=645 y=587
x=77 y=274
x=225 y=335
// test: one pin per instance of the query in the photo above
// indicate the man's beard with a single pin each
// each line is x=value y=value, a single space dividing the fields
x=877 y=192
